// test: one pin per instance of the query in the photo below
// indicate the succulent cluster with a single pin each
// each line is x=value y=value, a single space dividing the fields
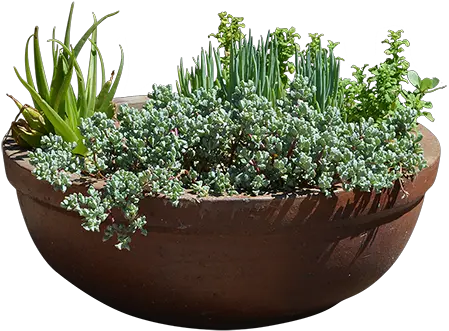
x=239 y=125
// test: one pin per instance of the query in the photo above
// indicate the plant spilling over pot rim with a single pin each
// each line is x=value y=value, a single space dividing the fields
x=256 y=118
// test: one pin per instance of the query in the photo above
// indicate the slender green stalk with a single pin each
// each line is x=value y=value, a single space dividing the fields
x=41 y=80
x=91 y=87
x=86 y=35
x=27 y=64
x=67 y=30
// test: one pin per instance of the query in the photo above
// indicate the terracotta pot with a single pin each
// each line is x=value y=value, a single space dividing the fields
x=228 y=262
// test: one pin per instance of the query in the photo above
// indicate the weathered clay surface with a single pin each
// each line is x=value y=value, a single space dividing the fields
x=228 y=262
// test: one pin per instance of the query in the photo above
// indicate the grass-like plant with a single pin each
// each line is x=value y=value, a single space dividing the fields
x=246 y=62
x=56 y=107
x=322 y=70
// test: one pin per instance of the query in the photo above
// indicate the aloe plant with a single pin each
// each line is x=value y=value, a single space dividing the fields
x=60 y=109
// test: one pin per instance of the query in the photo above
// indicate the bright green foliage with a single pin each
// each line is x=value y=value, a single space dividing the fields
x=287 y=47
x=378 y=95
x=210 y=145
x=423 y=86
x=56 y=102
x=229 y=32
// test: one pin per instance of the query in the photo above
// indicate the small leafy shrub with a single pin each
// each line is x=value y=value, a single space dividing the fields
x=229 y=32
x=378 y=95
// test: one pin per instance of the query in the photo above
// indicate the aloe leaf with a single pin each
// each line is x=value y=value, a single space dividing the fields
x=59 y=73
x=103 y=75
x=82 y=100
x=103 y=93
x=64 y=88
x=54 y=50
x=41 y=80
x=27 y=64
x=33 y=140
x=82 y=95
x=106 y=107
x=85 y=37
x=61 y=128
x=71 y=110
x=91 y=87
x=67 y=30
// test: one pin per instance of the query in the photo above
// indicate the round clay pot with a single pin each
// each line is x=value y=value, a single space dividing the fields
x=228 y=262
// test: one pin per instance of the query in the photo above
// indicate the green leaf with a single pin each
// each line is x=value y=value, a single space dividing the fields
x=41 y=80
x=67 y=30
x=82 y=100
x=106 y=107
x=103 y=76
x=27 y=63
x=102 y=95
x=59 y=73
x=435 y=82
x=54 y=51
x=71 y=110
x=61 y=128
x=426 y=84
x=413 y=78
x=85 y=37
x=427 y=104
x=62 y=92
x=91 y=87
x=428 y=116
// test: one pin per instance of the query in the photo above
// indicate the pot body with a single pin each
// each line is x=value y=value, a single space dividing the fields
x=229 y=262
